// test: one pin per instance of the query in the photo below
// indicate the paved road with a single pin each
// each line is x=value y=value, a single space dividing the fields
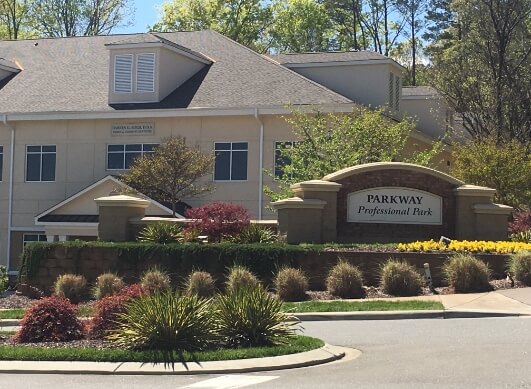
x=456 y=353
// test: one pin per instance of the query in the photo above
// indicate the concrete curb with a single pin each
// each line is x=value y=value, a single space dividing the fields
x=325 y=354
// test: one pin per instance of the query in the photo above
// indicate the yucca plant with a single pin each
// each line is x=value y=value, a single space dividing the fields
x=520 y=266
x=162 y=232
x=522 y=236
x=252 y=318
x=155 y=280
x=255 y=233
x=166 y=321
x=240 y=278
x=200 y=283
x=107 y=284
x=465 y=273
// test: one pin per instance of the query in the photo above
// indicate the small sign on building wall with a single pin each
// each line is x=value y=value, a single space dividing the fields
x=126 y=129
x=394 y=205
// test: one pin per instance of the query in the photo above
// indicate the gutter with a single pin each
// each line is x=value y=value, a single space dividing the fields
x=10 y=199
x=260 y=164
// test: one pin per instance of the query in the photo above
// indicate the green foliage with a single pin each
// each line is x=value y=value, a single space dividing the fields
x=52 y=319
x=32 y=254
x=465 y=274
x=399 y=278
x=253 y=317
x=4 y=280
x=255 y=233
x=171 y=173
x=327 y=143
x=201 y=284
x=71 y=286
x=291 y=284
x=161 y=232
x=107 y=284
x=240 y=278
x=520 y=266
x=504 y=166
x=166 y=321
x=155 y=280
x=345 y=281
x=522 y=236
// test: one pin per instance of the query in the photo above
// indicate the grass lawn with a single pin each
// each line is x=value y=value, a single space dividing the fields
x=17 y=313
x=20 y=353
x=349 y=306
x=7 y=332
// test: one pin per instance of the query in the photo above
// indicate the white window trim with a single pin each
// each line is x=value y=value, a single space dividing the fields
x=142 y=152
x=38 y=233
x=40 y=171
x=131 y=78
x=230 y=161
x=154 y=73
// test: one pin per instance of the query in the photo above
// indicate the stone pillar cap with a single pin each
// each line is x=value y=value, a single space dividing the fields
x=474 y=190
x=122 y=201
x=493 y=209
x=298 y=203
x=317 y=185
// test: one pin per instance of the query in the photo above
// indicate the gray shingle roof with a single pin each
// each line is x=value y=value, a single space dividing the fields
x=9 y=64
x=331 y=56
x=421 y=91
x=72 y=75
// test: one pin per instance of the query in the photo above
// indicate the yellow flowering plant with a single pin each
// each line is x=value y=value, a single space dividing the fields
x=472 y=246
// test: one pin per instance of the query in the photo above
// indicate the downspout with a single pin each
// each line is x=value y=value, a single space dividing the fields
x=10 y=200
x=260 y=164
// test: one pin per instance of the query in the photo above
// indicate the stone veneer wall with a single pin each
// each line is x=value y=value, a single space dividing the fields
x=378 y=232
x=91 y=262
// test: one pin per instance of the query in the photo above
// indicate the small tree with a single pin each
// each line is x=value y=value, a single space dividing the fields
x=171 y=173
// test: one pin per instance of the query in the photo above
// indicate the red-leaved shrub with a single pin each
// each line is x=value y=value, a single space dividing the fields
x=108 y=309
x=52 y=319
x=219 y=219
x=521 y=221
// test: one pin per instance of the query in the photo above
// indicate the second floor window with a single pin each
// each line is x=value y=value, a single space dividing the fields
x=121 y=157
x=40 y=163
x=231 y=161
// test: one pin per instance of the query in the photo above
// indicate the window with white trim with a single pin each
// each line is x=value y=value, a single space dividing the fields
x=32 y=238
x=1 y=161
x=123 y=73
x=145 y=73
x=231 y=161
x=122 y=156
x=282 y=160
x=40 y=163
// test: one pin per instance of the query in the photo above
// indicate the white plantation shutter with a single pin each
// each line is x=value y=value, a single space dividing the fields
x=397 y=92
x=123 y=73
x=145 y=73
x=391 y=88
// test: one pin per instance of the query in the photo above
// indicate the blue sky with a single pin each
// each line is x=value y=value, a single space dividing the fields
x=146 y=14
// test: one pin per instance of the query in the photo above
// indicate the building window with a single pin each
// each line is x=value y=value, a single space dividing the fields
x=282 y=160
x=40 y=163
x=145 y=73
x=121 y=157
x=1 y=161
x=231 y=161
x=123 y=73
x=34 y=237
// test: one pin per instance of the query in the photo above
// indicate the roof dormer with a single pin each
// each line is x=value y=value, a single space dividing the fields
x=8 y=69
x=146 y=68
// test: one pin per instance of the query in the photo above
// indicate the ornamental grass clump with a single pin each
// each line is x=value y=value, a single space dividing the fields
x=253 y=318
x=201 y=284
x=155 y=280
x=291 y=284
x=240 y=277
x=166 y=321
x=52 y=319
x=345 y=280
x=72 y=287
x=520 y=266
x=107 y=284
x=399 y=278
x=465 y=273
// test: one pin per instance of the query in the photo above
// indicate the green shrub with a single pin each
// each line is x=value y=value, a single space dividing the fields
x=522 y=236
x=72 y=287
x=255 y=233
x=399 y=278
x=201 y=284
x=161 y=232
x=166 y=321
x=4 y=280
x=253 y=318
x=291 y=284
x=465 y=273
x=155 y=280
x=240 y=278
x=520 y=266
x=107 y=284
x=345 y=281
x=52 y=319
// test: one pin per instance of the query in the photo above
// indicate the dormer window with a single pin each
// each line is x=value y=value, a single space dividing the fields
x=123 y=73
x=145 y=73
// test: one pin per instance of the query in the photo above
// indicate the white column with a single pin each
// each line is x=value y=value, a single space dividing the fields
x=50 y=238
x=62 y=238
